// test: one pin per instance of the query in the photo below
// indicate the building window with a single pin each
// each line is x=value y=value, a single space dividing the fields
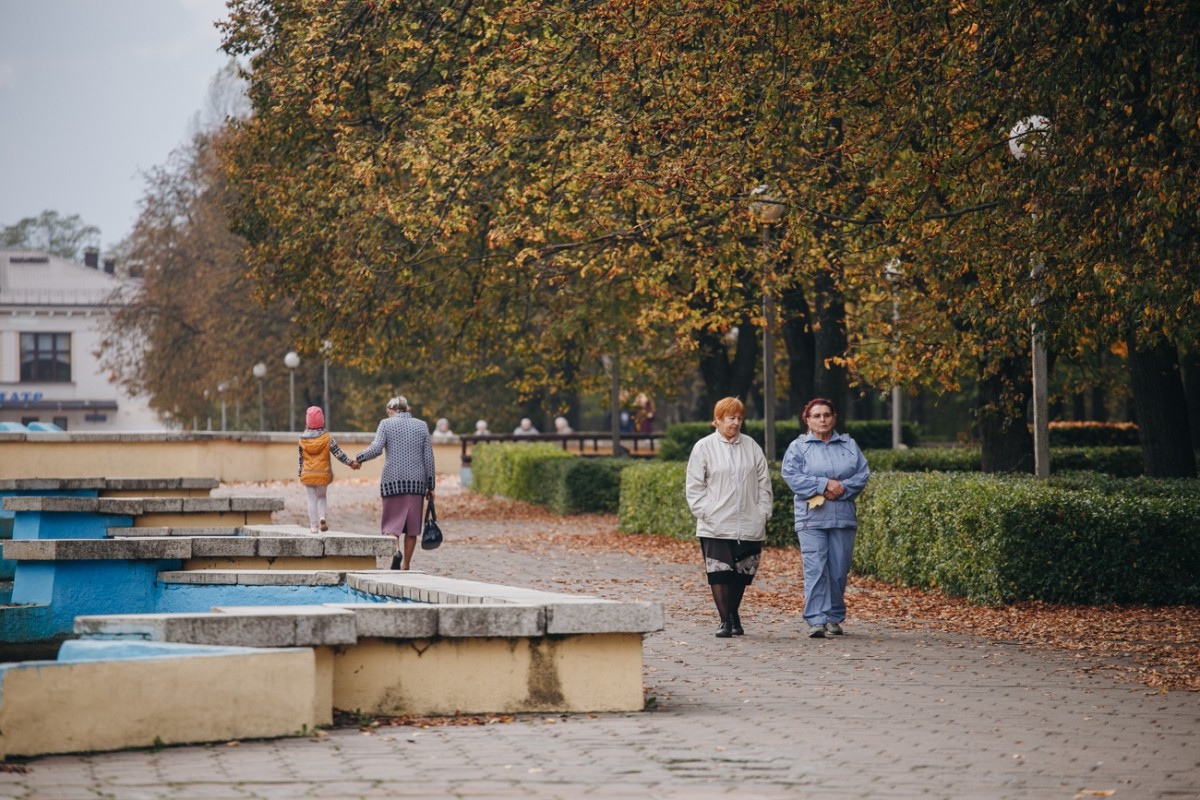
x=45 y=357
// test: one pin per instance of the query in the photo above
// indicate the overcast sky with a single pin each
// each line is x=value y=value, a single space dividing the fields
x=93 y=93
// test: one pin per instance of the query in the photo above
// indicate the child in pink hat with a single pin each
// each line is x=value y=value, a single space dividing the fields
x=316 y=466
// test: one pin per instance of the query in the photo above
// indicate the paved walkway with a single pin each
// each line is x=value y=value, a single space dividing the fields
x=879 y=713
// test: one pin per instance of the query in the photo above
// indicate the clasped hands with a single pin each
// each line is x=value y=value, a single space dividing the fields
x=834 y=489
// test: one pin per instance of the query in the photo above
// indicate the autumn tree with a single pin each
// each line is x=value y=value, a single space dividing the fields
x=193 y=323
x=53 y=233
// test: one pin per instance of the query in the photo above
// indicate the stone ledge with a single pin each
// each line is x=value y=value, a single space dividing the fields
x=253 y=577
x=135 y=506
x=266 y=626
x=147 y=549
x=393 y=620
x=51 y=484
x=197 y=532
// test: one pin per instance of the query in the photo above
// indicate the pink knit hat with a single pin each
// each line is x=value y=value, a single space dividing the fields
x=314 y=418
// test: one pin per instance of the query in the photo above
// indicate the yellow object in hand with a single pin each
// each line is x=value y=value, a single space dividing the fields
x=816 y=500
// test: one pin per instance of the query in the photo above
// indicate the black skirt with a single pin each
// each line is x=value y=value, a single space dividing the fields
x=730 y=561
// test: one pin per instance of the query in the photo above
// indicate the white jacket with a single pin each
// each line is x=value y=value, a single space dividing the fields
x=729 y=488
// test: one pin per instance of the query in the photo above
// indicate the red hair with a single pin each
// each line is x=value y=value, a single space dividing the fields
x=729 y=407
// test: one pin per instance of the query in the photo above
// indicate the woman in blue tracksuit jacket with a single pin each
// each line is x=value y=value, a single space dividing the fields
x=826 y=470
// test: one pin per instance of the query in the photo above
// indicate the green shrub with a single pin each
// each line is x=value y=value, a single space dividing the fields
x=1094 y=434
x=581 y=485
x=1123 y=462
x=514 y=469
x=547 y=475
x=997 y=539
x=653 y=500
x=678 y=439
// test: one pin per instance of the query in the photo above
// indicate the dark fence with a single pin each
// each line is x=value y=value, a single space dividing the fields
x=585 y=443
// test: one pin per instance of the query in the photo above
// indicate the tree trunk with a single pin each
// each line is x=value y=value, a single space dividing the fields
x=1162 y=410
x=797 y=333
x=1004 y=434
x=725 y=376
x=1190 y=364
x=830 y=342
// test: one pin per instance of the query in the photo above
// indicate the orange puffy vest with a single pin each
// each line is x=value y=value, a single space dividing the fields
x=317 y=469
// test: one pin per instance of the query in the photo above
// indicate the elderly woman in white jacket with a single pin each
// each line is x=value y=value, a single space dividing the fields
x=729 y=492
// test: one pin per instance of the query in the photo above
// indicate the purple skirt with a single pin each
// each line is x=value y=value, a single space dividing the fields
x=402 y=515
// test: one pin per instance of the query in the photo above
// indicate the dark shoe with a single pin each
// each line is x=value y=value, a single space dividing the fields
x=324 y=524
x=725 y=631
x=735 y=625
x=816 y=632
x=397 y=561
x=833 y=629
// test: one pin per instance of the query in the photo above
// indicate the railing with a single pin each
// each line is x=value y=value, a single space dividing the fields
x=587 y=443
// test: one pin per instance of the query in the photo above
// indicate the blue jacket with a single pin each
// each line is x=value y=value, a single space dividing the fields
x=807 y=467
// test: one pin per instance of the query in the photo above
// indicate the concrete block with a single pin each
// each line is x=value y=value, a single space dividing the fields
x=344 y=545
x=277 y=547
x=198 y=576
x=201 y=505
x=463 y=620
x=64 y=504
x=279 y=626
x=113 y=704
x=392 y=620
x=256 y=504
x=28 y=549
x=276 y=530
x=205 y=531
x=223 y=547
x=128 y=506
x=145 y=549
x=603 y=616
x=282 y=577
x=162 y=505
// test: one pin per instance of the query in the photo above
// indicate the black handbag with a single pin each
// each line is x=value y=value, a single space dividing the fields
x=431 y=534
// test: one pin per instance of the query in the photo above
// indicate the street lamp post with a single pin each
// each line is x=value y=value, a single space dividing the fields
x=769 y=210
x=260 y=372
x=892 y=270
x=222 y=387
x=291 y=361
x=1030 y=137
x=326 y=347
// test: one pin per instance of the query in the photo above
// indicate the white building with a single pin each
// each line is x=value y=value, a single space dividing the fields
x=52 y=312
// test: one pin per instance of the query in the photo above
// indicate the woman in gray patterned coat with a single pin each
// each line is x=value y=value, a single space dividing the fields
x=408 y=476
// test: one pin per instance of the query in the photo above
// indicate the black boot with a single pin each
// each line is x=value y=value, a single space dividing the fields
x=735 y=604
x=397 y=560
x=720 y=593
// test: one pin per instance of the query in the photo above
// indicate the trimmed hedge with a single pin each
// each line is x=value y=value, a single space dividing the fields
x=998 y=539
x=653 y=501
x=1094 y=434
x=677 y=441
x=1125 y=462
x=514 y=470
x=547 y=475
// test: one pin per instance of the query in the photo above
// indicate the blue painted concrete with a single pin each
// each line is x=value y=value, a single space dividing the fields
x=52 y=593
x=66 y=524
x=193 y=598
x=6 y=517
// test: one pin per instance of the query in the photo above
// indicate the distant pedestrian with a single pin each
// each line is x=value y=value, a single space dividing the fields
x=408 y=476
x=481 y=428
x=729 y=493
x=442 y=433
x=316 y=466
x=525 y=428
x=826 y=471
x=561 y=425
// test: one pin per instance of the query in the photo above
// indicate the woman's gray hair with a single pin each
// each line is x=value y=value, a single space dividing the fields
x=398 y=403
